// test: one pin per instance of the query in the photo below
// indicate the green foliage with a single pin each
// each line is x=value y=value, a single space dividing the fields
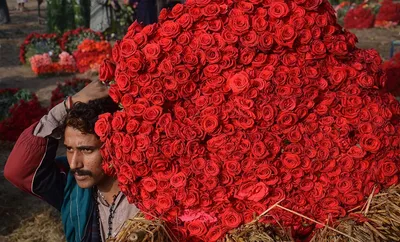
x=75 y=40
x=41 y=46
x=63 y=15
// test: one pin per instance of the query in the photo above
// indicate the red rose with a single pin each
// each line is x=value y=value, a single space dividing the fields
x=231 y=219
x=388 y=168
x=118 y=121
x=239 y=24
x=278 y=10
x=152 y=113
x=128 y=143
x=192 y=199
x=123 y=82
x=142 y=142
x=152 y=51
x=259 y=151
x=178 y=180
x=291 y=161
x=312 y=4
x=102 y=126
x=365 y=81
x=286 y=35
x=149 y=184
x=370 y=143
x=107 y=70
x=128 y=48
x=169 y=29
x=134 y=64
x=211 y=169
x=215 y=233
x=318 y=49
x=287 y=119
x=186 y=20
x=132 y=126
x=239 y=82
x=250 y=39
x=114 y=93
x=196 y=228
x=210 y=123
x=232 y=167
x=164 y=202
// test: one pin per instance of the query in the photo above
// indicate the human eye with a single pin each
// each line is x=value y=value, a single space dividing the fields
x=87 y=151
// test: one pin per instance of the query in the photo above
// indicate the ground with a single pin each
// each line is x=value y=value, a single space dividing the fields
x=23 y=215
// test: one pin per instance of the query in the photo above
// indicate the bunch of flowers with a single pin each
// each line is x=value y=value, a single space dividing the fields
x=71 y=39
x=232 y=106
x=43 y=64
x=392 y=69
x=18 y=110
x=360 y=17
x=90 y=54
x=35 y=44
x=67 y=88
x=388 y=15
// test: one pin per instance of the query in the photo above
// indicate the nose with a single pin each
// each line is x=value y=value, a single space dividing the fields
x=75 y=160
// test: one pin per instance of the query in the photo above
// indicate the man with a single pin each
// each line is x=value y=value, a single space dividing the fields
x=91 y=204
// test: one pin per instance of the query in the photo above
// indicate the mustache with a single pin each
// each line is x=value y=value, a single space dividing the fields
x=81 y=172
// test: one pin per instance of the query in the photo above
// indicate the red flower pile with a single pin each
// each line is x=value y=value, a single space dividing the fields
x=392 y=69
x=389 y=14
x=19 y=109
x=360 y=17
x=90 y=54
x=44 y=65
x=232 y=106
x=67 y=88
x=71 y=39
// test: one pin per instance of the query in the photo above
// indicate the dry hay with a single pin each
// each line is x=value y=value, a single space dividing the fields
x=42 y=227
x=382 y=215
x=256 y=232
x=143 y=230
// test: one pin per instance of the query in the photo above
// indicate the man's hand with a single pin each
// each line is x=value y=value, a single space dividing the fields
x=93 y=90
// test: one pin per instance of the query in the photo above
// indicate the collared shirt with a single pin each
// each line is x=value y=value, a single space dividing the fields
x=123 y=211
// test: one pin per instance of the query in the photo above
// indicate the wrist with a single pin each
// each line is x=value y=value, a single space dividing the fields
x=68 y=103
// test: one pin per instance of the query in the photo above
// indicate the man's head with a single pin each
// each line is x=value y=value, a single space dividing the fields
x=82 y=143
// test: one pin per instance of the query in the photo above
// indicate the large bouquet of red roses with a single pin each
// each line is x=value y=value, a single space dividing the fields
x=90 y=54
x=67 y=88
x=18 y=110
x=232 y=106
x=360 y=17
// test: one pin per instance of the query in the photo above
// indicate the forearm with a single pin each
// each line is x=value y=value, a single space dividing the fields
x=49 y=125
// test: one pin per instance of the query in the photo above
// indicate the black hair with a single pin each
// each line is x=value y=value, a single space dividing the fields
x=83 y=116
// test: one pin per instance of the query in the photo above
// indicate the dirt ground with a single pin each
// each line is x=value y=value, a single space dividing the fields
x=16 y=206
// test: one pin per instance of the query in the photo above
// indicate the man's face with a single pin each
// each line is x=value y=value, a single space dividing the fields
x=84 y=158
